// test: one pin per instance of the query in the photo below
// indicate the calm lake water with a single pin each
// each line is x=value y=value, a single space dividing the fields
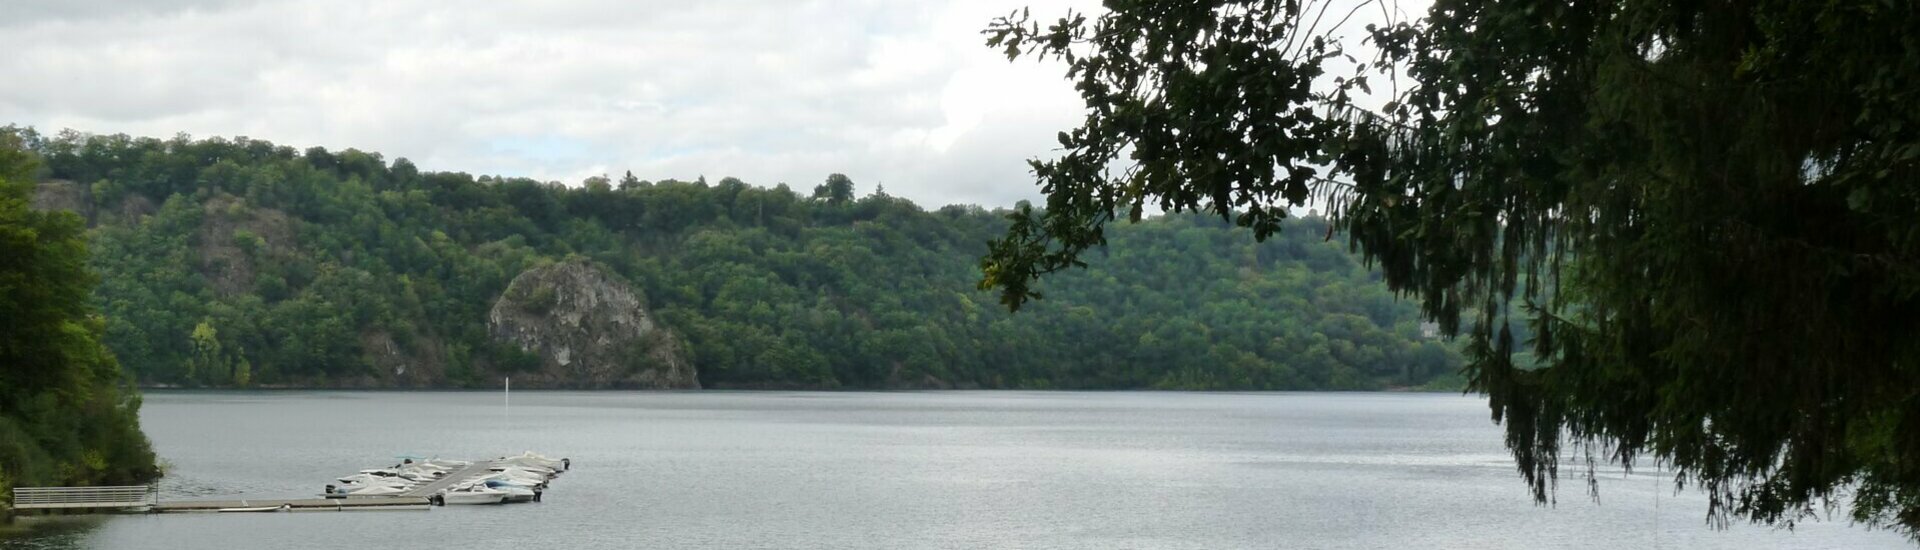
x=905 y=470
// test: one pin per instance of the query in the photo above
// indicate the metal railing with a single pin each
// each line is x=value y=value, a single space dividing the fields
x=136 y=496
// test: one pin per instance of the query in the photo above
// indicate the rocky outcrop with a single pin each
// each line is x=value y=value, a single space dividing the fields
x=590 y=330
x=397 y=365
x=234 y=237
x=54 y=195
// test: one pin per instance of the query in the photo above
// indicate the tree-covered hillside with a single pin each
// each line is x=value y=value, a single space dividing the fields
x=239 y=262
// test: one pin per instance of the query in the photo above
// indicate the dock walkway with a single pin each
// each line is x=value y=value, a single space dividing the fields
x=135 y=497
x=294 y=505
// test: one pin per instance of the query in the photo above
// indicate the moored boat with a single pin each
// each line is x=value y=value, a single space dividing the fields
x=515 y=493
x=472 y=495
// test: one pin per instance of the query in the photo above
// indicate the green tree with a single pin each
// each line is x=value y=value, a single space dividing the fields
x=67 y=414
x=598 y=184
x=306 y=276
x=242 y=371
x=207 y=362
x=838 y=190
x=1704 y=212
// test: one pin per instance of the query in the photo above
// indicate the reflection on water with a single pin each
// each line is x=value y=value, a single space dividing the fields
x=48 y=532
x=905 y=470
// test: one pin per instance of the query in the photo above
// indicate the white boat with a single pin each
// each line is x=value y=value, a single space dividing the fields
x=528 y=466
x=376 y=490
x=424 y=469
x=474 y=495
x=522 y=474
x=371 y=479
x=530 y=459
x=510 y=480
x=514 y=493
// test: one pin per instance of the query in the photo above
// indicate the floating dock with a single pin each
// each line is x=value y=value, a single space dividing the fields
x=419 y=497
x=435 y=491
x=294 y=505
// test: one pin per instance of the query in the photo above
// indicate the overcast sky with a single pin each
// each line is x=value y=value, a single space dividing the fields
x=897 y=92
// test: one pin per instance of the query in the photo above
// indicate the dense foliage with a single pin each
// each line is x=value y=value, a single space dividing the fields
x=1707 y=212
x=236 y=262
x=67 y=415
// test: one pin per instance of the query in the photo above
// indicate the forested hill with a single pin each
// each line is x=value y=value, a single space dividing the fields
x=231 y=262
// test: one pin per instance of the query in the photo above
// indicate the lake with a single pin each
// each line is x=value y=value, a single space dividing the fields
x=1047 y=470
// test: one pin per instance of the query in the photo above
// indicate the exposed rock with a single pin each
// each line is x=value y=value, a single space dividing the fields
x=590 y=329
x=54 y=195
x=133 y=208
x=233 y=236
x=396 y=365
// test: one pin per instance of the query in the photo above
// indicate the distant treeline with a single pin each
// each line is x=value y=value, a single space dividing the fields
x=235 y=262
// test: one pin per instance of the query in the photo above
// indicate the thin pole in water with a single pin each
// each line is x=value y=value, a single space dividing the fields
x=506 y=398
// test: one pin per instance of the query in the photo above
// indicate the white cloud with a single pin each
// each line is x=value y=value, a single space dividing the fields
x=898 y=92
x=895 y=91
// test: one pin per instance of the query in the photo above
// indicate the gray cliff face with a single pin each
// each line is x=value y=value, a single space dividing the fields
x=590 y=330
x=64 y=195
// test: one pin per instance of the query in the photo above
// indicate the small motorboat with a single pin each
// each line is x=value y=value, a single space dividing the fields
x=378 y=490
x=510 y=480
x=473 y=495
x=529 y=459
x=514 y=493
x=371 y=479
x=522 y=474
